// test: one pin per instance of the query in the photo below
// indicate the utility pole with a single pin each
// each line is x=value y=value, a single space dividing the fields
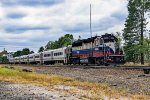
x=91 y=30
x=90 y=21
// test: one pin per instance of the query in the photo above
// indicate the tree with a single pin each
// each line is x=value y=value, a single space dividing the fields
x=51 y=45
x=65 y=40
x=134 y=27
x=3 y=59
x=25 y=51
x=61 y=42
x=147 y=49
x=31 y=52
x=118 y=35
x=17 y=53
x=41 y=49
x=119 y=42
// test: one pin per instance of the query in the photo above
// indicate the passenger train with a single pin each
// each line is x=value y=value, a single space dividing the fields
x=100 y=50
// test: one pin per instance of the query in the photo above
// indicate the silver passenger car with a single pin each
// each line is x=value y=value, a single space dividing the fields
x=59 y=55
x=17 y=60
x=37 y=57
x=31 y=58
x=54 y=56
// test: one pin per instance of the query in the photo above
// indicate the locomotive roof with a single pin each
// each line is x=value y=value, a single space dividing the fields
x=88 y=40
x=109 y=36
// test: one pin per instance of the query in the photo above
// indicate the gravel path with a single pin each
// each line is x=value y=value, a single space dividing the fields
x=10 y=91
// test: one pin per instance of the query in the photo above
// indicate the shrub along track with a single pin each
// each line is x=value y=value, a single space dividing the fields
x=131 y=79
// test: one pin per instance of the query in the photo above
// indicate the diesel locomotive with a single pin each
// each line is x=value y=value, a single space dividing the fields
x=97 y=50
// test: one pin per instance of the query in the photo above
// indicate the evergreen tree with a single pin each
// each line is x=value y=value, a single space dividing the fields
x=134 y=28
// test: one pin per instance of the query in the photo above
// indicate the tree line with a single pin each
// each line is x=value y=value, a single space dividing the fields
x=24 y=51
x=61 y=42
x=137 y=44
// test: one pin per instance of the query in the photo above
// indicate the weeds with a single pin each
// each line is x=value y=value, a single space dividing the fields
x=89 y=90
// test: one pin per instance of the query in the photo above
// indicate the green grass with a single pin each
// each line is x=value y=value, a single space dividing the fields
x=89 y=90
x=6 y=71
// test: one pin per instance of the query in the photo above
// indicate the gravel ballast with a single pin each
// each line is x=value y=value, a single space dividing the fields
x=9 y=91
x=133 y=81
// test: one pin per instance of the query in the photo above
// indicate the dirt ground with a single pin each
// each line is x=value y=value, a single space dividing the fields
x=9 y=91
x=133 y=81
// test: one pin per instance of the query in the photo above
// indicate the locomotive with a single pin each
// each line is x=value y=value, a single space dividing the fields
x=100 y=50
x=97 y=50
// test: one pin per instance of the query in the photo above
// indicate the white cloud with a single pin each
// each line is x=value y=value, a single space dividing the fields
x=57 y=17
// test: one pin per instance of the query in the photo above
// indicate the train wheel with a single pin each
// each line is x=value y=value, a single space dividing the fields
x=74 y=63
x=86 y=64
x=106 y=64
x=99 y=62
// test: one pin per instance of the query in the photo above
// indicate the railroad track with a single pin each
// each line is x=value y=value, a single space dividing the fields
x=92 y=67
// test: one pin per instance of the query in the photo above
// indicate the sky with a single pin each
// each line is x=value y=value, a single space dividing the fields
x=32 y=23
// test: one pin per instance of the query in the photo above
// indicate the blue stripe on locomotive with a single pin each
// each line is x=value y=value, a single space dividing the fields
x=88 y=51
